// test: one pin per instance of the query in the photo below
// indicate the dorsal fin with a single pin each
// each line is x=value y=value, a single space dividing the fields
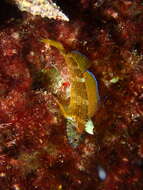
x=92 y=93
x=82 y=61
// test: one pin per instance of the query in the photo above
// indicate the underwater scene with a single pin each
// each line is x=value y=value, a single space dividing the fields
x=71 y=95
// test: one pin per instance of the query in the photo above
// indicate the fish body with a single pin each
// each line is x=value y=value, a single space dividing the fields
x=84 y=96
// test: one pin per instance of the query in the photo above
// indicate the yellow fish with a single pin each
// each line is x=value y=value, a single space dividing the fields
x=84 y=95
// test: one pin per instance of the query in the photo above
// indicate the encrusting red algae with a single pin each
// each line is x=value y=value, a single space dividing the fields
x=35 y=152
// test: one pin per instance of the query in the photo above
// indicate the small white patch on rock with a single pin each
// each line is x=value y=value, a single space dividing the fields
x=101 y=173
x=15 y=35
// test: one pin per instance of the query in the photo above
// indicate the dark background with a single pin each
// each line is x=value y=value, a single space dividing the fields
x=8 y=11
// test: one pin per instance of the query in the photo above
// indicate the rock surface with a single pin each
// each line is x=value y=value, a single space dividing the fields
x=34 y=150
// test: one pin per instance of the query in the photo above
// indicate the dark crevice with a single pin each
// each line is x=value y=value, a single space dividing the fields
x=8 y=11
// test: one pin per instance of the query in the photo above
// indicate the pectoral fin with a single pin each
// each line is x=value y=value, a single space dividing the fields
x=92 y=93
x=55 y=44
x=89 y=127
x=63 y=109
